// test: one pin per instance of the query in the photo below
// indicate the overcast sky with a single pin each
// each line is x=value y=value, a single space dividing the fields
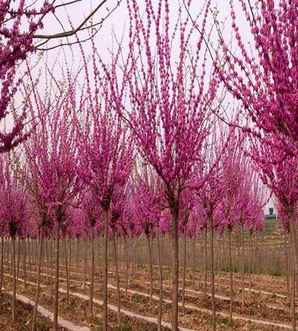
x=118 y=22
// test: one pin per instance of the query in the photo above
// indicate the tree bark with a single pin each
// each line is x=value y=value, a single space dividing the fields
x=37 y=295
x=184 y=272
x=105 y=273
x=231 y=276
x=127 y=266
x=85 y=262
x=91 y=301
x=160 y=284
x=150 y=265
x=66 y=258
x=14 y=286
x=18 y=257
x=117 y=280
x=286 y=249
x=293 y=273
x=25 y=262
x=205 y=261
x=175 y=270
x=193 y=241
x=242 y=266
x=212 y=276
x=2 y=264
x=56 y=328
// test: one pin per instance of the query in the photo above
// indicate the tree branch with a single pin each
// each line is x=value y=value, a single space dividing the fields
x=73 y=31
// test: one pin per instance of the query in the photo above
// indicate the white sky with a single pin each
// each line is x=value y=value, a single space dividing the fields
x=118 y=21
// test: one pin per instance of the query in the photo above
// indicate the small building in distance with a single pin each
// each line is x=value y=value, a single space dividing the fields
x=271 y=215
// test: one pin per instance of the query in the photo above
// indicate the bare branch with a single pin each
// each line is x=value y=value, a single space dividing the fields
x=73 y=31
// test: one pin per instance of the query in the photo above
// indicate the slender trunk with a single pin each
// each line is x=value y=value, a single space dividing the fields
x=286 y=249
x=250 y=259
x=193 y=241
x=77 y=251
x=92 y=274
x=293 y=273
x=70 y=252
x=53 y=265
x=2 y=264
x=184 y=272
x=160 y=283
x=29 y=254
x=150 y=265
x=105 y=273
x=212 y=276
x=205 y=261
x=135 y=259
x=66 y=258
x=175 y=270
x=85 y=263
x=56 y=328
x=10 y=255
x=231 y=276
x=18 y=257
x=37 y=295
x=14 y=288
x=127 y=266
x=25 y=262
x=46 y=252
x=242 y=266
x=117 y=280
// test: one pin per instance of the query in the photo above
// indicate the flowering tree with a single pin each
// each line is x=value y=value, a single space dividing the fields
x=168 y=105
x=18 y=26
x=106 y=152
x=281 y=178
x=13 y=215
x=21 y=25
x=51 y=158
x=265 y=82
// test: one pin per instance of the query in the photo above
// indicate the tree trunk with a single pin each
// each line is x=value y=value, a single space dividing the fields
x=77 y=251
x=150 y=265
x=85 y=263
x=25 y=262
x=212 y=276
x=175 y=270
x=70 y=252
x=231 y=276
x=92 y=275
x=14 y=286
x=205 y=261
x=56 y=328
x=66 y=258
x=160 y=284
x=105 y=273
x=117 y=280
x=37 y=295
x=242 y=266
x=18 y=257
x=184 y=272
x=293 y=273
x=193 y=241
x=127 y=266
x=2 y=264
x=250 y=259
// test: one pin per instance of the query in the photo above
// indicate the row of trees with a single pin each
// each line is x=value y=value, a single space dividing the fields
x=160 y=103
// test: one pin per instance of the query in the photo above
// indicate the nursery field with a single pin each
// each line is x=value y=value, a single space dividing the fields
x=137 y=281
